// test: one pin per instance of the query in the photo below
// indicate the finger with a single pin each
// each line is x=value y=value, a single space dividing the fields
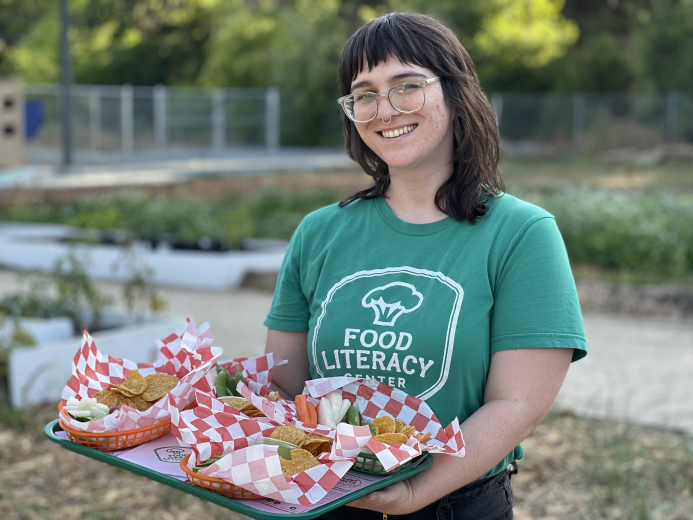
x=366 y=502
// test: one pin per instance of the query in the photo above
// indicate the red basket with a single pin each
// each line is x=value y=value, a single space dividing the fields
x=112 y=441
x=216 y=485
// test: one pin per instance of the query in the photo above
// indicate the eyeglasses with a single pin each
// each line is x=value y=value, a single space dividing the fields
x=406 y=98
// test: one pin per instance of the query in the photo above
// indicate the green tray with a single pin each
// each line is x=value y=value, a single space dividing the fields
x=219 y=500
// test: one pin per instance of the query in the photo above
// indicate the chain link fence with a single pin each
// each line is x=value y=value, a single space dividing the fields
x=561 y=124
x=126 y=121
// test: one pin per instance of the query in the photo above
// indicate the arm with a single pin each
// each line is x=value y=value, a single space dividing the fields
x=520 y=389
x=289 y=379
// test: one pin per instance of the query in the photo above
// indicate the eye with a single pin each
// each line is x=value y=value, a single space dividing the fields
x=404 y=87
x=362 y=97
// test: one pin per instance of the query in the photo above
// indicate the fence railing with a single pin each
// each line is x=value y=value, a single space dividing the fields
x=129 y=120
x=558 y=124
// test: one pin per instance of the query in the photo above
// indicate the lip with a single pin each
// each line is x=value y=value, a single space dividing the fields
x=399 y=137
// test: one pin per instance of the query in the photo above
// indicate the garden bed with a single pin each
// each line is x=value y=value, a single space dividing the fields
x=38 y=374
x=26 y=246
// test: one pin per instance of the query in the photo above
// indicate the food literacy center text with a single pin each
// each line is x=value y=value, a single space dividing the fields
x=375 y=359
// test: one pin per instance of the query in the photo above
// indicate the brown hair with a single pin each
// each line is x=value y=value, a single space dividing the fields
x=424 y=41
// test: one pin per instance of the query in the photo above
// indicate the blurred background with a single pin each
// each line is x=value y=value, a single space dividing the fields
x=157 y=155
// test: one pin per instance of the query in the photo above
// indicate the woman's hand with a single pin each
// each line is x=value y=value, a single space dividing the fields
x=397 y=499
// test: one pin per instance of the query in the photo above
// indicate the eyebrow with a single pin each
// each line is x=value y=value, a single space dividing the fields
x=392 y=79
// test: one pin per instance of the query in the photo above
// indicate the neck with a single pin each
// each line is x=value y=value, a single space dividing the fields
x=412 y=191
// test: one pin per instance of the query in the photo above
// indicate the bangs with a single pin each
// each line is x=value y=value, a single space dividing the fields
x=393 y=35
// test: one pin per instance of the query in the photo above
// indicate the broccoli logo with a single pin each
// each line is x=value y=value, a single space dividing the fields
x=404 y=297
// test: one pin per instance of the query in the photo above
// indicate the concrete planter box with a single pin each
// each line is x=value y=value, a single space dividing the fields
x=38 y=374
x=37 y=246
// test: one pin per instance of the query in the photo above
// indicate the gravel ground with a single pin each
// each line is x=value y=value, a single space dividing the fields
x=574 y=469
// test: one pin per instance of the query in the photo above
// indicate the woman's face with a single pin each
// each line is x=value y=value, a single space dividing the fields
x=428 y=133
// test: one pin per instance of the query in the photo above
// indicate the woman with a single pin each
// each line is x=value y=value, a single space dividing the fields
x=433 y=281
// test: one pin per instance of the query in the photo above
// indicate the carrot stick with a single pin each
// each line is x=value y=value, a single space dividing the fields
x=312 y=413
x=301 y=408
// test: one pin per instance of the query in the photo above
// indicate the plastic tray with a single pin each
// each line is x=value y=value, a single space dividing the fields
x=369 y=463
x=219 y=500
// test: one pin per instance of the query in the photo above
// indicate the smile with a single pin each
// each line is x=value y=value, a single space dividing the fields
x=389 y=134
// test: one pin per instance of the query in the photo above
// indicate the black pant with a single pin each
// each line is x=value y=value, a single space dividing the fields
x=488 y=499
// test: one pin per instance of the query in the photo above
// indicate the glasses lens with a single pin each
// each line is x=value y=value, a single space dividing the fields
x=407 y=97
x=362 y=106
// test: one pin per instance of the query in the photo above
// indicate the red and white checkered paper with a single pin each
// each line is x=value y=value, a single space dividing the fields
x=375 y=399
x=256 y=370
x=214 y=428
x=189 y=357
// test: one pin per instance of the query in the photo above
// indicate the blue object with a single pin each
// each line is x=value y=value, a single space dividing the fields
x=33 y=112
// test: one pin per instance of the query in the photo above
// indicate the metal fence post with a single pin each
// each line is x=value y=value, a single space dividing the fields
x=126 y=119
x=95 y=119
x=160 y=122
x=218 y=120
x=578 y=123
x=497 y=105
x=272 y=118
x=672 y=116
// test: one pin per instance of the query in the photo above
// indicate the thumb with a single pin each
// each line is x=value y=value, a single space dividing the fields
x=374 y=498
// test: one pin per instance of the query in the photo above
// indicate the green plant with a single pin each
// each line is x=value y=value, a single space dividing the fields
x=66 y=290
x=627 y=231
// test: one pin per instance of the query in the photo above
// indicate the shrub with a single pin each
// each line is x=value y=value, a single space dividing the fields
x=644 y=232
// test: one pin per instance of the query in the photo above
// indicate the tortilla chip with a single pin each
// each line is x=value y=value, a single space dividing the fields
x=423 y=437
x=300 y=461
x=137 y=403
x=135 y=382
x=316 y=446
x=391 y=438
x=384 y=424
x=289 y=434
x=408 y=430
x=158 y=385
x=121 y=390
x=110 y=398
x=237 y=403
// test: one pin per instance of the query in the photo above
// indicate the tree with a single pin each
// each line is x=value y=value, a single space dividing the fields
x=142 y=42
x=663 y=45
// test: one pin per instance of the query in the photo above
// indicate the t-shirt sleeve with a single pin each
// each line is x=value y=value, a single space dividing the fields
x=290 y=310
x=536 y=303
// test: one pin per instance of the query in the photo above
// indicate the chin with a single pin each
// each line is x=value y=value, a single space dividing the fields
x=399 y=160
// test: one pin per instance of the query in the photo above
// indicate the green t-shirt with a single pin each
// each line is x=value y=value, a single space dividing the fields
x=422 y=307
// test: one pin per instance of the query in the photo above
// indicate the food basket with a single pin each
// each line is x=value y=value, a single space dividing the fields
x=369 y=463
x=216 y=485
x=112 y=441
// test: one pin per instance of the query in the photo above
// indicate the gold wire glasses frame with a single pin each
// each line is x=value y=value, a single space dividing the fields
x=407 y=95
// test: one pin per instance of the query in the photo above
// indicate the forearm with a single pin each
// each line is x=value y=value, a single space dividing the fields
x=490 y=434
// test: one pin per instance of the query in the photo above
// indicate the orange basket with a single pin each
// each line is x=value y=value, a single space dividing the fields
x=112 y=441
x=216 y=485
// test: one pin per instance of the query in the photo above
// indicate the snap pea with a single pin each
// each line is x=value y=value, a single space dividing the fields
x=373 y=430
x=238 y=377
x=284 y=452
x=353 y=416
x=207 y=463
x=220 y=384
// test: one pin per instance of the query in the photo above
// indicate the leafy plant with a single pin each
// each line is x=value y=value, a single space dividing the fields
x=66 y=290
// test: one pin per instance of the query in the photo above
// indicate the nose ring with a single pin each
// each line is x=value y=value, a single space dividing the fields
x=388 y=121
